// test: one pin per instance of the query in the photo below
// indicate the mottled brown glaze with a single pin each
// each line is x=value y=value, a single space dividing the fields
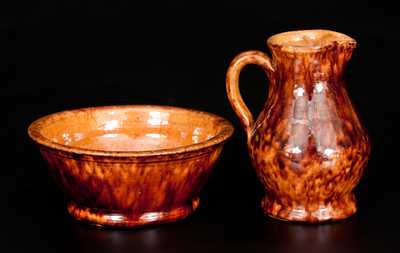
x=308 y=146
x=131 y=165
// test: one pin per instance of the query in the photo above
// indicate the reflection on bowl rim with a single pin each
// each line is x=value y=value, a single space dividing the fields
x=222 y=135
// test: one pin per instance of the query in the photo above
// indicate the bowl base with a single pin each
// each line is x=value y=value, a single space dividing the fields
x=122 y=219
x=334 y=210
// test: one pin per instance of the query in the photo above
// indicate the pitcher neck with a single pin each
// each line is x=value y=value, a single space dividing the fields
x=310 y=57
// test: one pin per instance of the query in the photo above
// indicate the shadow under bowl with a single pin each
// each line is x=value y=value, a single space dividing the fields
x=131 y=165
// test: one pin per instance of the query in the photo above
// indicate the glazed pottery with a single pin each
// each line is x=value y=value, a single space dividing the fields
x=131 y=165
x=308 y=146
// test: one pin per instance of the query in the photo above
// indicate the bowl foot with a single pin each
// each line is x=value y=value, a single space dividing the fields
x=122 y=219
x=337 y=209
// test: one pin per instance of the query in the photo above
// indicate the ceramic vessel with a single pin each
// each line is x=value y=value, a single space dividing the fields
x=131 y=165
x=308 y=146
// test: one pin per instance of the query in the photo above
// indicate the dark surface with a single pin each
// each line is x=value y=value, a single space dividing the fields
x=65 y=54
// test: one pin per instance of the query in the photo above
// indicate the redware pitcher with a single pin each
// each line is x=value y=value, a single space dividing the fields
x=307 y=145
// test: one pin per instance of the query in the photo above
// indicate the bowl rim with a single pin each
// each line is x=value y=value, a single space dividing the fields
x=221 y=136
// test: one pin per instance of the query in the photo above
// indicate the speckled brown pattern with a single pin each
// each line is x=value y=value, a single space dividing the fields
x=307 y=145
x=131 y=165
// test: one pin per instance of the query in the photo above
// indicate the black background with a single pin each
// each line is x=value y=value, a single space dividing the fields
x=68 y=54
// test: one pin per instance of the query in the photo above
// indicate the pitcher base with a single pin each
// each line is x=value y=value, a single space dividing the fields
x=334 y=210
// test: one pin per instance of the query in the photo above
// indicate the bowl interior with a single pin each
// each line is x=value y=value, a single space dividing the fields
x=128 y=128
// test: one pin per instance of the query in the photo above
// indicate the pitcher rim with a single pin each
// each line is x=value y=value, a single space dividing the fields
x=308 y=41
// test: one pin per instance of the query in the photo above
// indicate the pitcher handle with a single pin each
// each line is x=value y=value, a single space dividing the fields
x=232 y=84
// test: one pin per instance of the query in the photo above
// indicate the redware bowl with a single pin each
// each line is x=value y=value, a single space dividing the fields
x=131 y=165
